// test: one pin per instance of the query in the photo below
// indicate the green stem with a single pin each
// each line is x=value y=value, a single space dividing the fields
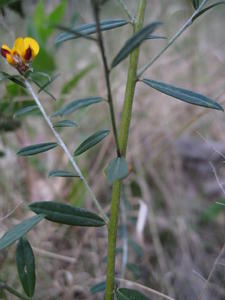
x=171 y=41
x=124 y=130
x=107 y=74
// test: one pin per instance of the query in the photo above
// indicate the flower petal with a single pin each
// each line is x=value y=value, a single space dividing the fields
x=19 y=46
x=33 y=45
x=6 y=52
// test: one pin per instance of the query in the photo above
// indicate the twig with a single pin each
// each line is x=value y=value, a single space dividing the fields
x=126 y=10
x=49 y=254
x=171 y=41
x=11 y=212
x=107 y=72
x=67 y=152
x=144 y=288
x=211 y=273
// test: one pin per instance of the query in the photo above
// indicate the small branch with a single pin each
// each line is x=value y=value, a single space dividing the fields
x=107 y=73
x=171 y=41
x=67 y=152
x=126 y=10
x=211 y=273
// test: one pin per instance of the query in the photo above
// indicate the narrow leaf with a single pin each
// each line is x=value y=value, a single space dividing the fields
x=61 y=173
x=26 y=266
x=156 y=37
x=98 y=287
x=129 y=294
x=44 y=86
x=134 y=42
x=77 y=104
x=65 y=123
x=18 y=231
x=91 y=141
x=196 y=3
x=25 y=110
x=88 y=29
x=117 y=169
x=66 y=214
x=183 y=94
x=35 y=149
x=206 y=9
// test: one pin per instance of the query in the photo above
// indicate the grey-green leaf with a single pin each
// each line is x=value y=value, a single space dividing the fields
x=88 y=29
x=26 y=266
x=98 y=287
x=129 y=294
x=117 y=169
x=18 y=231
x=206 y=9
x=77 y=104
x=66 y=214
x=61 y=173
x=134 y=42
x=35 y=149
x=65 y=123
x=25 y=110
x=196 y=3
x=183 y=94
x=91 y=141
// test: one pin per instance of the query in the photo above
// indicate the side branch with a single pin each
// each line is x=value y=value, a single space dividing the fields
x=66 y=150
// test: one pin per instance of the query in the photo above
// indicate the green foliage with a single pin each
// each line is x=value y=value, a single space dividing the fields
x=134 y=42
x=88 y=29
x=91 y=141
x=25 y=111
x=65 y=123
x=212 y=211
x=66 y=214
x=98 y=287
x=196 y=3
x=117 y=169
x=129 y=294
x=36 y=149
x=26 y=266
x=61 y=173
x=75 y=105
x=18 y=231
x=183 y=94
x=204 y=10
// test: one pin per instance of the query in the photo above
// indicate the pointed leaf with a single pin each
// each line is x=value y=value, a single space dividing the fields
x=18 y=231
x=35 y=149
x=134 y=42
x=206 y=9
x=88 y=29
x=117 y=169
x=183 y=94
x=26 y=266
x=156 y=37
x=77 y=104
x=65 y=123
x=12 y=291
x=91 y=141
x=98 y=287
x=61 y=173
x=66 y=214
x=129 y=294
x=44 y=86
x=25 y=110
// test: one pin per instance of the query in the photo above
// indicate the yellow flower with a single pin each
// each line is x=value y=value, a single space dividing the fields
x=22 y=53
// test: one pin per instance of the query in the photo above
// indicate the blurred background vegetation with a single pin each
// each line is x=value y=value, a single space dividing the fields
x=171 y=228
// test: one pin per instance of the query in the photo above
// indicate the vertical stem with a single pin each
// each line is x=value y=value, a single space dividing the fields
x=107 y=73
x=124 y=130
